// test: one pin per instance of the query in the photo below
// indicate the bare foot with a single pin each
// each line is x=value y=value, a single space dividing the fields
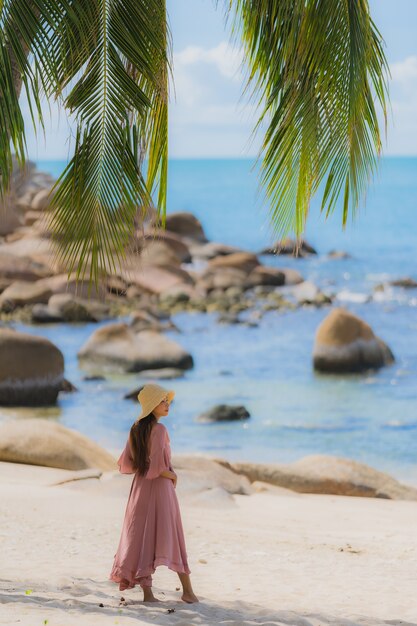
x=149 y=597
x=190 y=597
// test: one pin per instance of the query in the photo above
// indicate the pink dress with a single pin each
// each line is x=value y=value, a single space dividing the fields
x=152 y=532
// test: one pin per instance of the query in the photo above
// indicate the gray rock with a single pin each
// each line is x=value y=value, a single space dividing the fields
x=118 y=347
x=186 y=225
x=31 y=369
x=224 y=413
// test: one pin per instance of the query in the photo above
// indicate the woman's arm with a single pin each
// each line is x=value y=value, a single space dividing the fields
x=158 y=458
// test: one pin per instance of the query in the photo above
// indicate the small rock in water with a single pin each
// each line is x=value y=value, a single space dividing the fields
x=407 y=283
x=224 y=413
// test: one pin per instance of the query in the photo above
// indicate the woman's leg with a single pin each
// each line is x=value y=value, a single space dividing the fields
x=146 y=584
x=188 y=594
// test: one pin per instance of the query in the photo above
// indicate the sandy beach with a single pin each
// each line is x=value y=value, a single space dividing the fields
x=273 y=557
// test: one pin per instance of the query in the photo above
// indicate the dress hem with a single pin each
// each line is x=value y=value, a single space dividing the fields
x=118 y=576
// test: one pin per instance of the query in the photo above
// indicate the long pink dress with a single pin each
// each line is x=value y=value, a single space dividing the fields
x=152 y=532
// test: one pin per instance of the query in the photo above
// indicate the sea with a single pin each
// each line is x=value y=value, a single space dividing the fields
x=294 y=412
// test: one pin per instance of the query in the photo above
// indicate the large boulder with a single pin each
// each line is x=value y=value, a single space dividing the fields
x=224 y=413
x=159 y=253
x=22 y=292
x=345 y=343
x=61 y=283
x=174 y=241
x=186 y=225
x=20 y=268
x=327 y=474
x=222 y=279
x=64 y=307
x=43 y=442
x=262 y=275
x=117 y=346
x=244 y=261
x=156 y=279
x=31 y=369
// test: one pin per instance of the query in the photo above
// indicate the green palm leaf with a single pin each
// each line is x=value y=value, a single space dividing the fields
x=111 y=55
x=316 y=67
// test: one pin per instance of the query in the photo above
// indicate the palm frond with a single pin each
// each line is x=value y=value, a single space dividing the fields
x=18 y=26
x=107 y=59
x=318 y=70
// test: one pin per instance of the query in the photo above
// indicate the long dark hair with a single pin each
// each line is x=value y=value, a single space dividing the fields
x=139 y=439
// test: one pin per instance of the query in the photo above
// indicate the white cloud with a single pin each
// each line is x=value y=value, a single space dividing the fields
x=404 y=71
x=225 y=58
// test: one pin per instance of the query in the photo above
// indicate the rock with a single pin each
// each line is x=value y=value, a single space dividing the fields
x=199 y=474
x=144 y=320
x=22 y=292
x=211 y=250
x=292 y=277
x=43 y=442
x=158 y=253
x=13 y=268
x=175 y=242
x=308 y=293
x=64 y=307
x=31 y=369
x=243 y=261
x=407 y=283
x=327 y=474
x=157 y=279
x=186 y=225
x=222 y=279
x=224 y=413
x=345 y=343
x=31 y=218
x=41 y=200
x=117 y=346
x=61 y=283
x=116 y=285
x=262 y=275
x=338 y=254
x=9 y=219
x=68 y=387
x=291 y=247
x=41 y=314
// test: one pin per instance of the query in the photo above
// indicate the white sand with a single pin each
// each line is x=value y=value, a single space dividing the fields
x=268 y=558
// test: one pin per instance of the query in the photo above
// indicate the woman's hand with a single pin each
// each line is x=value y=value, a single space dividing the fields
x=174 y=480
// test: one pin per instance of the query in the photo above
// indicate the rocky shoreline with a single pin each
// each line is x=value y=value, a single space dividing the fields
x=167 y=271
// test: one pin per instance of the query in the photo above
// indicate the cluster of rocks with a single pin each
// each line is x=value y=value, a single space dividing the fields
x=166 y=271
x=45 y=443
x=174 y=268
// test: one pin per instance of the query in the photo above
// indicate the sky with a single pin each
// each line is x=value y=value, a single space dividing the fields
x=209 y=116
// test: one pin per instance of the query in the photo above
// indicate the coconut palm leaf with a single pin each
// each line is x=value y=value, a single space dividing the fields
x=108 y=59
x=317 y=69
x=18 y=26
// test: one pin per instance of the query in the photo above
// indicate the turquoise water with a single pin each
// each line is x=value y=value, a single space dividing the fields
x=294 y=412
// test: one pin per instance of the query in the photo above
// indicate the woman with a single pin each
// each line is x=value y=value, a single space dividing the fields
x=152 y=532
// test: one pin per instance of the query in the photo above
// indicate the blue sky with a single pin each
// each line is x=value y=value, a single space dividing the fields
x=209 y=117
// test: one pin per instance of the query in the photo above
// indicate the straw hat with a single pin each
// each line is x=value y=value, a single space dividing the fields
x=150 y=396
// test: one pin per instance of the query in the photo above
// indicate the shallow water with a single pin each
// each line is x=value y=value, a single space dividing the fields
x=294 y=412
